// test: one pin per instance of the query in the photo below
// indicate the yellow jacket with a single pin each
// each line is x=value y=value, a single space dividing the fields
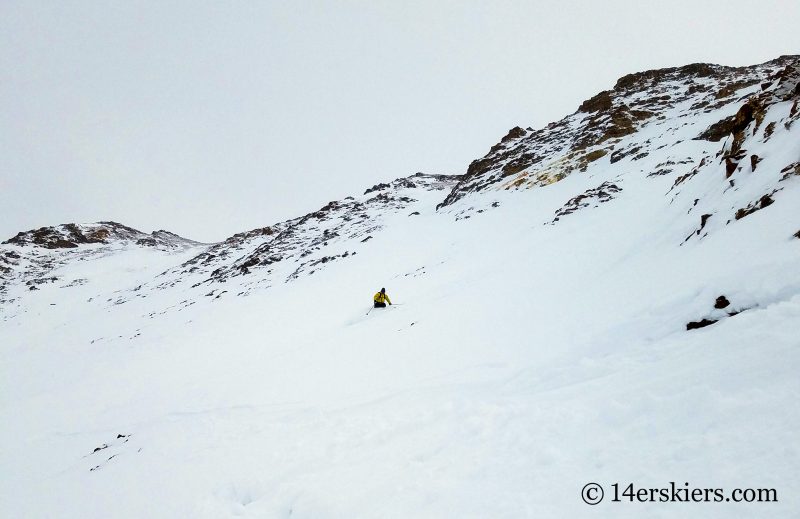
x=381 y=297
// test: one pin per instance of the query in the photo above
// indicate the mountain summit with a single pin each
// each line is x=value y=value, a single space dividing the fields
x=647 y=114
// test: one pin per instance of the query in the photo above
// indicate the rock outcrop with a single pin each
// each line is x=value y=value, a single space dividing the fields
x=662 y=100
x=71 y=235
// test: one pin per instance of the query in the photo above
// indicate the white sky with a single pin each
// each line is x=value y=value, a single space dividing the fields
x=210 y=118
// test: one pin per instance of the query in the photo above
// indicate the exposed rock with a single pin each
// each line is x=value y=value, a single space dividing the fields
x=377 y=187
x=600 y=102
x=751 y=208
x=790 y=170
x=640 y=79
x=730 y=167
x=592 y=197
x=61 y=237
x=703 y=220
x=514 y=133
x=694 y=325
x=695 y=88
x=730 y=125
x=768 y=131
x=721 y=302
x=618 y=155
x=754 y=160
x=731 y=88
x=614 y=124
x=595 y=155
x=147 y=242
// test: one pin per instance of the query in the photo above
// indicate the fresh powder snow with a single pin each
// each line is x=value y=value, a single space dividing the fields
x=614 y=298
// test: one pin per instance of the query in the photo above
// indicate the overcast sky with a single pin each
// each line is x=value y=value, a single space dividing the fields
x=210 y=118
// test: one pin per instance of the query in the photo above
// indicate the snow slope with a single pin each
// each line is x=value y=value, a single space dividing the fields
x=539 y=341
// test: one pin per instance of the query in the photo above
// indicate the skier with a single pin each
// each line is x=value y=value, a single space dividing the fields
x=381 y=298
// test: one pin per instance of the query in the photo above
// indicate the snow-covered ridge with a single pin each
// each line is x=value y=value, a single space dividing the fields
x=71 y=235
x=284 y=251
x=278 y=253
x=27 y=260
x=645 y=114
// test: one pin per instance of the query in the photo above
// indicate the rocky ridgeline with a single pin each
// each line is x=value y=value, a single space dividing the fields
x=278 y=253
x=286 y=250
x=71 y=236
x=606 y=124
x=29 y=257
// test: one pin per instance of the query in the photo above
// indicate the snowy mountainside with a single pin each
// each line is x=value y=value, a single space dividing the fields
x=621 y=304
x=275 y=254
x=314 y=239
x=647 y=122
x=28 y=260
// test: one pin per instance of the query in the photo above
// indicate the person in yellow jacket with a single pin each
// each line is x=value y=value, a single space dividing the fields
x=381 y=298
